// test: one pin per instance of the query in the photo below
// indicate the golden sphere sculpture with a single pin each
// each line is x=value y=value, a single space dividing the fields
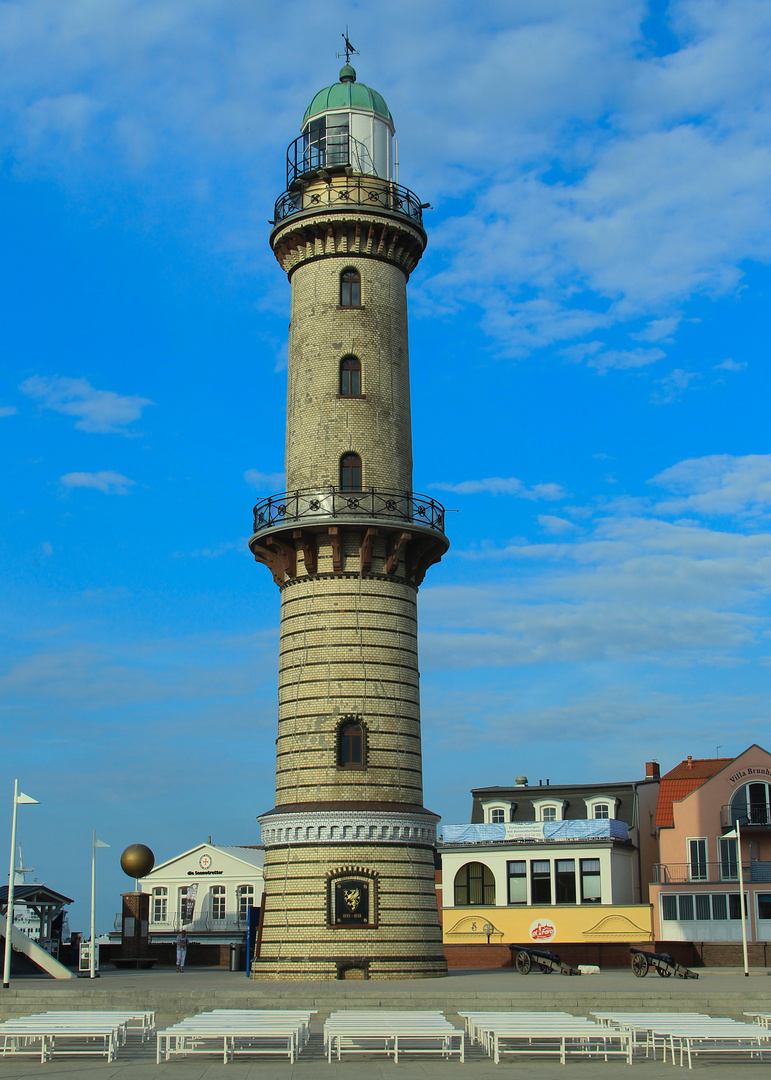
x=137 y=860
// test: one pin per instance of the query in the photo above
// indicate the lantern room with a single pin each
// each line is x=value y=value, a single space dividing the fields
x=347 y=127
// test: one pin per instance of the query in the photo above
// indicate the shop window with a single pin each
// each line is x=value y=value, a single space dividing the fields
x=702 y=906
x=350 y=377
x=669 y=908
x=474 y=884
x=517 y=874
x=591 y=881
x=764 y=905
x=734 y=908
x=351 y=744
x=218 y=903
x=350 y=473
x=245 y=895
x=160 y=905
x=685 y=907
x=719 y=906
x=350 y=288
x=540 y=881
x=565 y=881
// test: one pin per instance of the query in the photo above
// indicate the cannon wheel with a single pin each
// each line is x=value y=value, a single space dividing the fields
x=664 y=972
x=640 y=965
x=547 y=970
x=523 y=962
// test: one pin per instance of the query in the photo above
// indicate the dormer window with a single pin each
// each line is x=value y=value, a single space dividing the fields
x=549 y=809
x=497 y=812
x=497 y=816
x=601 y=807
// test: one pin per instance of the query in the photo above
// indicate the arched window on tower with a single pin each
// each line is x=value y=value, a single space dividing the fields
x=350 y=377
x=351 y=743
x=350 y=473
x=350 y=288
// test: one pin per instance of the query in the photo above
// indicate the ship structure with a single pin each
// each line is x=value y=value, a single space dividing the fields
x=349 y=861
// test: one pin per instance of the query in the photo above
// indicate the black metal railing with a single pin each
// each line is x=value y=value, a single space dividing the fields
x=314 y=505
x=367 y=191
x=331 y=148
x=756 y=815
x=712 y=872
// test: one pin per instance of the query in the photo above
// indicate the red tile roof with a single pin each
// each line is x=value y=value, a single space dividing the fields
x=681 y=781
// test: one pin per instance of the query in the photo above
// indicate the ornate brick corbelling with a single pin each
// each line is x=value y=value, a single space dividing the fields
x=337 y=234
x=362 y=826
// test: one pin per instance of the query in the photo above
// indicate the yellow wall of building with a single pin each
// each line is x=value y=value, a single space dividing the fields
x=544 y=926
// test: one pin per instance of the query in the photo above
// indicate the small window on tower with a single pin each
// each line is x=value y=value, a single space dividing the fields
x=350 y=751
x=350 y=473
x=350 y=289
x=350 y=377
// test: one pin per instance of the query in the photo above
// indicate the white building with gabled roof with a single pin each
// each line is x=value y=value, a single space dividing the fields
x=208 y=890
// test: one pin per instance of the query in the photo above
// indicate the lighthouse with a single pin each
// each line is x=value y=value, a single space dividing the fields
x=349 y=859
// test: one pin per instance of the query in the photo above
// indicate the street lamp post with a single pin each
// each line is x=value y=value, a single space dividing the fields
x=18 y=797
x=91 y=953
x=737 y=832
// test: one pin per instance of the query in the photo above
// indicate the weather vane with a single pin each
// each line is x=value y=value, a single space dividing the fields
x=348 y=47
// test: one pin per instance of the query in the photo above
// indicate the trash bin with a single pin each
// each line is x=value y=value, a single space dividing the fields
x=233 y=956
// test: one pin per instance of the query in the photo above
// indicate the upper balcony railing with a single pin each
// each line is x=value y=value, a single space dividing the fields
x=710 y=872
x=312 y=506
x=754 y=816
x=331 y=149
x=367 y=191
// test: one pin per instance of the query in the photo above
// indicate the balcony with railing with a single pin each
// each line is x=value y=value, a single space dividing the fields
x=710 y=872
x=337 y=171
x=754 y=816
x=311 y=506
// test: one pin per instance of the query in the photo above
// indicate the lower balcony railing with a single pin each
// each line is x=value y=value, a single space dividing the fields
x=754 y=816
x=709 y=873
x=313 y=505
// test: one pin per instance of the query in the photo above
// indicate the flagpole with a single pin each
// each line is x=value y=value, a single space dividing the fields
x=91 y=957
x=9 y=909
x=741 y=898
x=18 y=797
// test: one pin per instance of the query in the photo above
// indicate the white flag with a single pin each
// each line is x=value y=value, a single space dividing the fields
x=100 y=843
x=22 y=798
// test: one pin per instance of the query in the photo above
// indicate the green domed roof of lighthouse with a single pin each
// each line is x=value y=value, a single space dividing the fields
x=348 y=94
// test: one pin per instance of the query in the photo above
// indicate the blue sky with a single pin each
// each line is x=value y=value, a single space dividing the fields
x=590 y=382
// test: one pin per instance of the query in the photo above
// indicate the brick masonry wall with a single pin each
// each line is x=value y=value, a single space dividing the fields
x=615 y=954
x=321 y=425
x=348 y=647
x=296 y=938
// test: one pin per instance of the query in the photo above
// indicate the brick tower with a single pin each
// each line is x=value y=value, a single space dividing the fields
x=349 y=863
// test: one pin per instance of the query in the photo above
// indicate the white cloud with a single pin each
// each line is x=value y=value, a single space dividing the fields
x=498 y=485
x=100 y=411
x=268 y=482
x=659 y=329
x=111 y=483
x=556 y=525
x=8 y=410
x=730 y=365
x=718 y=484
x=624 y=359
x=673 y=385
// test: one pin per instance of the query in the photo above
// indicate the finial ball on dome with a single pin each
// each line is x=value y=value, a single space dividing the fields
x=137 y=860
x=347 y=73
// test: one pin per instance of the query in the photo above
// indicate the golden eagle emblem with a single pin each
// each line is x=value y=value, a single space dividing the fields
x=352 y=897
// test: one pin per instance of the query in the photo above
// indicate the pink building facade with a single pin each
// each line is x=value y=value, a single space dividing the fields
x=695 y=891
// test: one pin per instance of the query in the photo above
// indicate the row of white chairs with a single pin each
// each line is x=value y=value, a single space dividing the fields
x=688 y=1035
x=100 y=1032
x=391 y=1032
x=237 y=1031
x=546 y=1034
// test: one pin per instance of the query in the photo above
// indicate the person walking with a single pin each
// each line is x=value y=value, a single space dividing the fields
x=182 y=940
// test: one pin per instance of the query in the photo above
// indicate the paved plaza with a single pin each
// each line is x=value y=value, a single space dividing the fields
x=717 y=992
